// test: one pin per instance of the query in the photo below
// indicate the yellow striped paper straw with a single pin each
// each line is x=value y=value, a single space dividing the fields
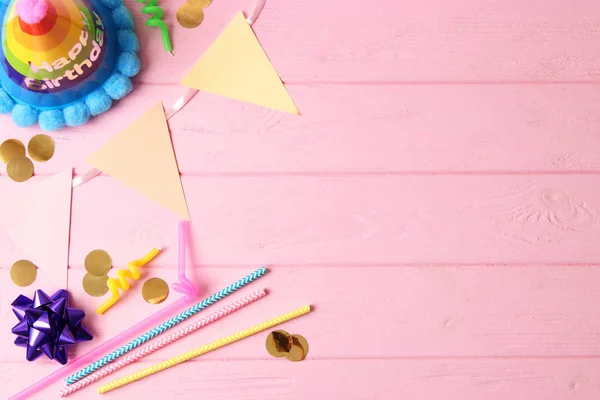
x=203 y=350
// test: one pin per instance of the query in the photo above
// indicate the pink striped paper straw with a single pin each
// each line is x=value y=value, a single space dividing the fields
x=159 y=344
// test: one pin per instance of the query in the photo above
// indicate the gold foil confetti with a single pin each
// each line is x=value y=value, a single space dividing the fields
x=200 y=3
x=279 y=343
x=155 y=291
x=19 y=169
x=23 y=273
x=191 y=14
x=41 y=148
x=10 y=149
x=95 y=285
x=299 y=349
x=98 y=263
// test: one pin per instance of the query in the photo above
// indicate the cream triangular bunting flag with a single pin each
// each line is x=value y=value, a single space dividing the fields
x=37 y=218
x=236 y=66
x=142 y=158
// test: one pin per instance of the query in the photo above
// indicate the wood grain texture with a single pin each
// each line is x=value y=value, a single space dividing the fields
x=437 y=203
x=366 y=128
x=427 y=41
x=556 y=379
x=477 y=311
x=364 y=220
x=348 y=220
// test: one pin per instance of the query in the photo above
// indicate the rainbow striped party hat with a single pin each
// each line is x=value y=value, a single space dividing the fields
x=63 y=61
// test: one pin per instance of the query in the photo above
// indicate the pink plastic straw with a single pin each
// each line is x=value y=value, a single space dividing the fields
x=186 y=287
x=159 y=344
x=149 y=322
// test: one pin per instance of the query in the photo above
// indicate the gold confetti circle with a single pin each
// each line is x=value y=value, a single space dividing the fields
x=299 y=349
x=190 y=15
x=95 y=285
x=200 y=3
x=155 y=291
x=10 y=149
x=23 y=273
x=19 y=169
x=98 y=263
x=279 y=343
x=41 y=148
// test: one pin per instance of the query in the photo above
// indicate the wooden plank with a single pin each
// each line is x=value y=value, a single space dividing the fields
x=370 y=128
x=555 y=379
x=351 y=220
x=378 y=312
x=424 y=42
x=348 y=220
x=73 y=145
x=396 y=128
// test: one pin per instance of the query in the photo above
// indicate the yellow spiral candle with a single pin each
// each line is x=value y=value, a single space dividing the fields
x=203 y=350
x=122 y=279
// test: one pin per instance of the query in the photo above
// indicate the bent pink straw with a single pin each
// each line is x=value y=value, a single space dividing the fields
x=184 y=286
x=80 y=362
x=159 y=344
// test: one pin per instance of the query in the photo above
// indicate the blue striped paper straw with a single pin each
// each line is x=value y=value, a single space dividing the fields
x=165 y=326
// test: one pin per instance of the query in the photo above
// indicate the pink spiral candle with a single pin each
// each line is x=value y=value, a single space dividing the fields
x=159 y=344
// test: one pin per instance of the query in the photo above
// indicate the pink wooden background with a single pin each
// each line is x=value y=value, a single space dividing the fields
x=438 y=203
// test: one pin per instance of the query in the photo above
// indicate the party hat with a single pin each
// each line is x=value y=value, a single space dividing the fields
x=63 y=61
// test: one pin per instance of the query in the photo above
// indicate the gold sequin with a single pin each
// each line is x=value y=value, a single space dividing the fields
x=200 y=3
x=41 y=148
x=190 y=14
x=95 y=285
x=10 y=149
x=279 y=343
x=19 y=169
x=155 y=291
x=299 y=349
x=23 y=273
x=98 y=263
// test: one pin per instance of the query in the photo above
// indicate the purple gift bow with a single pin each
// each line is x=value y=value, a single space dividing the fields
x=185 y=286
x=48 y=325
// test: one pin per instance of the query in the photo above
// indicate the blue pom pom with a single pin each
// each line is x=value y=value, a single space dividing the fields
x=128 y=41
x=112 y=4
x=128 y=64
x=23 y=115
x=51 y=120
x=6 y=102
x=123 y=18
x=98 y=102
x=76 y=114
x=118 y=86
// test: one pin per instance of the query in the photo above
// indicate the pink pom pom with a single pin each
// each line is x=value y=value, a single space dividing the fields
x=32 y=11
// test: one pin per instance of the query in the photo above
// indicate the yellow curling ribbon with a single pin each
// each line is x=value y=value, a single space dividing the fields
x=122 y=279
